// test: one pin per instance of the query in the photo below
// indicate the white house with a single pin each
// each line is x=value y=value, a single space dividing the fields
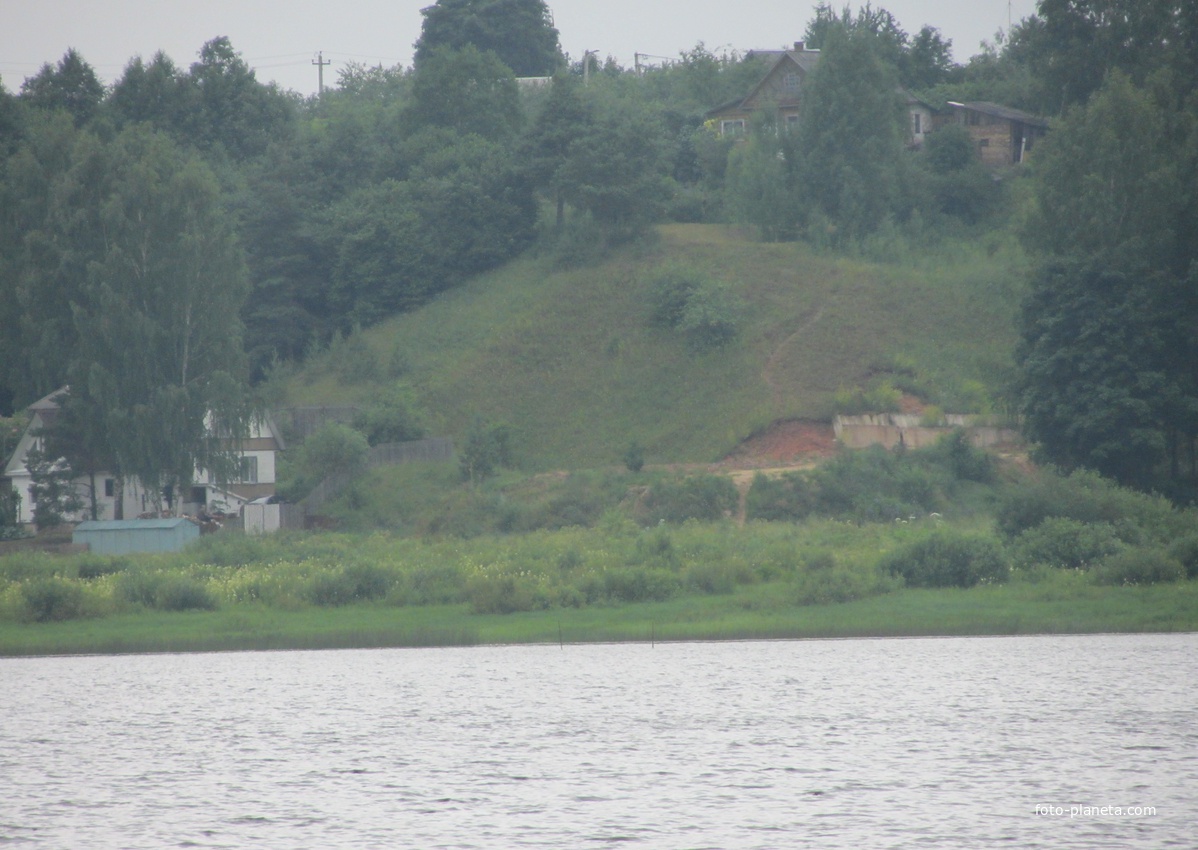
x=256 y=480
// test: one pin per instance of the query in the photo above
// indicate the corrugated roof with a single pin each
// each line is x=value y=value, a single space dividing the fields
x=126 y=524
x=1007 y=113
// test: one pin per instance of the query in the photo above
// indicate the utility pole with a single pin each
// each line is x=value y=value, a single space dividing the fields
x=586 y=66
x=320 y=63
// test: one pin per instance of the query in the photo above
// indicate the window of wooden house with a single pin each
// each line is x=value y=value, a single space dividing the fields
x=109 y=488
x=734 y=127
x=247 y=471
x=916 y=123
x=792 y=81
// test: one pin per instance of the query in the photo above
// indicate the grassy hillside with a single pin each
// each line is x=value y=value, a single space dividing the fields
x=570 y=360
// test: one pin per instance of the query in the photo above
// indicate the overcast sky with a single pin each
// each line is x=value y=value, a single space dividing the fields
x=280 y=38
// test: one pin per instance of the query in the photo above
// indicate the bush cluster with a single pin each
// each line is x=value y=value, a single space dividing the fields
x=873 y=485
x=1085 y=522
x=164 y=591
x=949 y=559
x=698 y=497
x=705 y=310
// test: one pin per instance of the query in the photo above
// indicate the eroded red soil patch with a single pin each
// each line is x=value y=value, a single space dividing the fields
x=784 y=443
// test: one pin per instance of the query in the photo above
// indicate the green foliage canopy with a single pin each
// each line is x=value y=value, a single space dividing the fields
x=519 y=32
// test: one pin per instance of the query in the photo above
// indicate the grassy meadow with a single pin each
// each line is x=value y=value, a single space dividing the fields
x=617 y=580
x=569 y=359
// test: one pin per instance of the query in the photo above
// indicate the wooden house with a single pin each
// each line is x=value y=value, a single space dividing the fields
x=1003 y=136
x=780 y=94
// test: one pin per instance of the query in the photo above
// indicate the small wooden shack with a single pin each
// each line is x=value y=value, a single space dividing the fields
x=126 y=536
x=1003 y=136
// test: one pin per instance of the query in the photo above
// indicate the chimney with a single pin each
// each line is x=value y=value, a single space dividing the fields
x=799 y=46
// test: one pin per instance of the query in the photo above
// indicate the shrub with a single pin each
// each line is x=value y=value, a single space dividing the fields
x=335 y=448
x=788 y=497
x=180 y=593
x=1139 y=566
x=875 y=485
x=702 y=497
x=1065 y=543
x=439 y=583
x=139 y=587
x=881 y=397
x=50 y=599
x=669 y=291
x=350 y=584
x=1185 y=551
x=714 y=577
x=828 y=582
x=488 y=446
x=164 y=591
x=639 y=584
x=503 y=594
x=392 y=417
x=711 y=317
x=1086 y=497
x=93 y=566
x=634 y=458
x=963 y=460
x=704 y=309
x=949 y=559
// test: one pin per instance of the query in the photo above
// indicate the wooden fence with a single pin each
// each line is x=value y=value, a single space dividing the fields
x=299 y=423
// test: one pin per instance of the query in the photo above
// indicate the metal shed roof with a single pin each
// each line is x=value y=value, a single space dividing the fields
x=128 y=524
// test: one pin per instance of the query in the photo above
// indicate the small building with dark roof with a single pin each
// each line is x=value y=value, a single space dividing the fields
x=1002 y=135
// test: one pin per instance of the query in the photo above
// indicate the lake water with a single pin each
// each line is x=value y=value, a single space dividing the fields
x=955 y=742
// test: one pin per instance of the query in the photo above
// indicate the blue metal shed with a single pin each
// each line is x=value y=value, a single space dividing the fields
x=124 y=536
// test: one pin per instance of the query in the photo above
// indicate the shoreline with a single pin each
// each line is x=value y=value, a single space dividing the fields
x=995 y=611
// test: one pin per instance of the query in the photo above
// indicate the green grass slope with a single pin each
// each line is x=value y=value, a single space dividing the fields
x=570 y=360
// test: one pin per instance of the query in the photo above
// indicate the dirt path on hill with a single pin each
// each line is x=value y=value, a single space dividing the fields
x=771 y=364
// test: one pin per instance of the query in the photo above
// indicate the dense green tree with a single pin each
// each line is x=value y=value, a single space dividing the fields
x=487 y=447
x=157 y=93
x=928 y=59
x=392 y=417
x=11 y=123
x=1072 y=45
x=81 y=446
x=159 y=366
x=519 y=32
x=51 y=488
x=1109 y=329
x=466 y=90
x=290 y=253
x=954 y=182
x=233 y=111
x=762 y=184
x=47 y=238
x=1110 y=182
x=372 y=83
x=1097 y=357
x=921 y=62
x=851 y=136
x=618 y=171
x=466 y=208
x=565 y=117
x=335 y=449
x=71 y=85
